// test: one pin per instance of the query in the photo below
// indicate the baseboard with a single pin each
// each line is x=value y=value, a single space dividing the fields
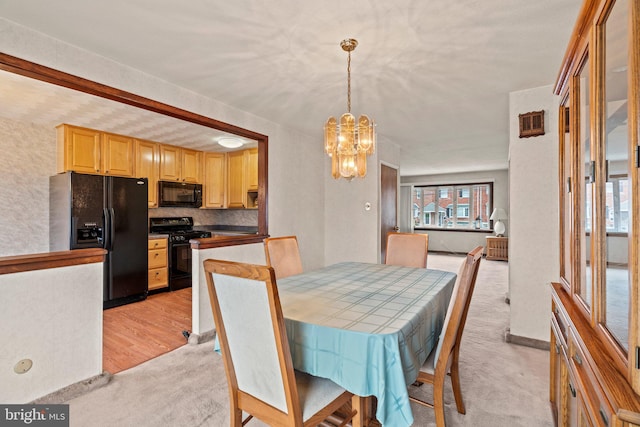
x=526 y=342
x=203 y=337
x=447 y=253
x=74 y=390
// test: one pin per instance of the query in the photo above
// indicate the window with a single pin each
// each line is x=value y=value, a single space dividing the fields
x=617 y=204
x=456 y=207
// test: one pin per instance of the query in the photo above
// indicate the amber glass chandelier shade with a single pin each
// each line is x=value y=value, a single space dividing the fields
x=348 y=142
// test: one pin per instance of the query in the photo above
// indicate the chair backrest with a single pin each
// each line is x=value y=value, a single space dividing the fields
x=407 y=249
x=253 y=339
x=283 y=254
x=456 y=316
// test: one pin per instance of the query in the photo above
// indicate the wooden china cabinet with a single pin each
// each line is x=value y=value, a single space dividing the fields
x=595 y=321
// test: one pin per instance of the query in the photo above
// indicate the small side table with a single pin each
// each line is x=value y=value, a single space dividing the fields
x=497 y=248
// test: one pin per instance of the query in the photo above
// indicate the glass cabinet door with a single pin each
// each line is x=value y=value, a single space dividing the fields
x=617 y=197
x=585 y=184
x=566 y=206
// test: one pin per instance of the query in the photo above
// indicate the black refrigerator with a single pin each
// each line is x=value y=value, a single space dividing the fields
x=93 y=211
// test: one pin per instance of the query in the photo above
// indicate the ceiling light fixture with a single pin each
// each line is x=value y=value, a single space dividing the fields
x=348 y=143
x=230 y=142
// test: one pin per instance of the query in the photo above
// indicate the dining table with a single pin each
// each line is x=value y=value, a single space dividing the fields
x=367 y=327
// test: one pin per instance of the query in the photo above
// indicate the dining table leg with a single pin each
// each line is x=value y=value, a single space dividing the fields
x=363 y=406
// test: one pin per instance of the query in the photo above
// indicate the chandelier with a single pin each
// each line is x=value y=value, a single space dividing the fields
x=348 y=143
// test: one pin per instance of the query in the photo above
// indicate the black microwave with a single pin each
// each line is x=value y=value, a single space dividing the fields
x=179 y=195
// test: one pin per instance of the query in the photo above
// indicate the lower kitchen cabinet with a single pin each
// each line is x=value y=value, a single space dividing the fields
x=158 y=265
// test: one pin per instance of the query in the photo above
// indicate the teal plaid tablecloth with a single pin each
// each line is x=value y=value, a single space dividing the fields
x=367 y=327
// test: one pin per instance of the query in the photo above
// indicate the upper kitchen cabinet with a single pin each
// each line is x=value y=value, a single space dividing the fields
x=117 y=154
x=236 y=182
x=148 y=166
x=252 y=170
x=180 y=164
x=215 y=173
x=242 y=178
x=596 y=303
x=90 y=151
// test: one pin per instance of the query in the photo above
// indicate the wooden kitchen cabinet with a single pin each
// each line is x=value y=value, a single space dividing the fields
x=147 y=165
x=170 y=163
x=91 y=151
x=180 y=164
x=191 y=166
x=236 y=179
x=242 y=178
x=79 y=149
x=596 y=303
x=215 y=183
x=117 y=154
x=158 y=265
x=252 y=169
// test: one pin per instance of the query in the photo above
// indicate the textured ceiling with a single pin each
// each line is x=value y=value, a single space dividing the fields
x=434 y=75
x=32 y=101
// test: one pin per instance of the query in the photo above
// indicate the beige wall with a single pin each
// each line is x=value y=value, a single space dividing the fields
x=533 y=207
x=27 y=161
x=53 y=318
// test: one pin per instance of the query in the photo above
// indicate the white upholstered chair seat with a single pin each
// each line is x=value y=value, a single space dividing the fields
x=315 y=393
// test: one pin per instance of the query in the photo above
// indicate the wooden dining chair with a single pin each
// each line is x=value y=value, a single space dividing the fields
x=407 y=249
x=444 y=359
x=253 y=341
x=283 y=254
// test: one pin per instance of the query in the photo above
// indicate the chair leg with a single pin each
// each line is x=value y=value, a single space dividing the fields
x=438 y=402
x=455 y=384
x=236 y=418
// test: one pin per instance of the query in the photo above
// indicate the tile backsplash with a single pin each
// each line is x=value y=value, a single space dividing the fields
x=245 y=217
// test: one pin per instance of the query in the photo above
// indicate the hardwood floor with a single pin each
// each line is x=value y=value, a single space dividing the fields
x=135 y=333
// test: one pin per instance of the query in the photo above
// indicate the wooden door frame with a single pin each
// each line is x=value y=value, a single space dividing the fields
x=380 y=232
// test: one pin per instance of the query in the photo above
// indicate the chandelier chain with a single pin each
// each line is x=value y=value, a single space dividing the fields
x=349 y=83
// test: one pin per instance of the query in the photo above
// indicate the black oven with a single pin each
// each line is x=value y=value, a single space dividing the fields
x=180 y=231
x=179 y=194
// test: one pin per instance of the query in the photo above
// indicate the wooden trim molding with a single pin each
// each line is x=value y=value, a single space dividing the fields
x=581 y=29
x=43 y=261
x=222 y=241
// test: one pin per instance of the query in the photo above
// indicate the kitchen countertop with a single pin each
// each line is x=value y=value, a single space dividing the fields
x=158 y=236
x=228 y=230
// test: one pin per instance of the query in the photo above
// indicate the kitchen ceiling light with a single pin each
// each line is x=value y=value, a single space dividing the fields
x=230 y=142
x=348 y=143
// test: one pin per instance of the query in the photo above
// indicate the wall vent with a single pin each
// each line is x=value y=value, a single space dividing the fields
x=531 y=124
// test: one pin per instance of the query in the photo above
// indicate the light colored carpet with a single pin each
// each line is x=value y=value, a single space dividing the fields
x=502 y=384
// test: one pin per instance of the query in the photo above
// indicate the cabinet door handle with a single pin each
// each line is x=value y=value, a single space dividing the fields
x=557 y=349
x=578 y=359
x=573 y=390
x=604 y=417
